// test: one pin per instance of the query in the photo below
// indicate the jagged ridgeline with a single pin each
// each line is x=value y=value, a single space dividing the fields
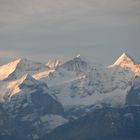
x=70 y=100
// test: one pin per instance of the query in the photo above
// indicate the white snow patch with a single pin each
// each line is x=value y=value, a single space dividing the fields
x=53 y=121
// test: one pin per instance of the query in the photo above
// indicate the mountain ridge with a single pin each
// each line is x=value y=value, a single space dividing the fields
x=42 y=100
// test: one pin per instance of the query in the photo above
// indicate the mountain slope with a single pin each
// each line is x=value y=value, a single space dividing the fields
x=27 y=92
x=30 y=105
x=95 y=85
x=18 y=68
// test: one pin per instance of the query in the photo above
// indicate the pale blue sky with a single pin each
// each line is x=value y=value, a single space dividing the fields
x=100 y=30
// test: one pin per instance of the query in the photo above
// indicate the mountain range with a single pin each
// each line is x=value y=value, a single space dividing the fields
x=72 y=100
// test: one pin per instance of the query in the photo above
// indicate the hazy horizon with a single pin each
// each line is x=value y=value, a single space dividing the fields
x=98 y=30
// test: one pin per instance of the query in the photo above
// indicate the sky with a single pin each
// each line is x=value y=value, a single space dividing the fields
x=100 y=30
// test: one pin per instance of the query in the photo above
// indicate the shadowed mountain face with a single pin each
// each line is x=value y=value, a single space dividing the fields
x=133 y=97
x=102 y=124
x=74 y=100
x=32 y=97
x=30 y=106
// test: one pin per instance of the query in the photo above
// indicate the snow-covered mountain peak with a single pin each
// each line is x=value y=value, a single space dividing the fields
x=19 y=67
x=78 y=55
x=124 y=59
x=7 y=69
x=53 y=63
x=77 y=64
x=22 y=59
x=29 y=64
x=81 y=57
